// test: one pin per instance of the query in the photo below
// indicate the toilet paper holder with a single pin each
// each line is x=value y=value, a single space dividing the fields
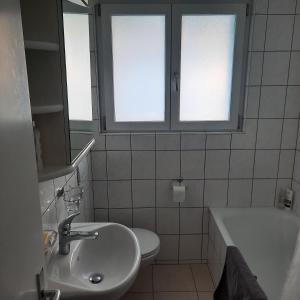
x=179 y=179
x=178 y=190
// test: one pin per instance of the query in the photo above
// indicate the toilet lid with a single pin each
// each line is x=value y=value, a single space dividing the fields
x=148 y=241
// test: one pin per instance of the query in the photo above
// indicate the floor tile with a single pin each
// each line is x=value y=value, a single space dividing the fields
x=176 y=296
x=138 y=296
x=173 y=278
x=143 y=282
x=202 y=277
x=205 y=296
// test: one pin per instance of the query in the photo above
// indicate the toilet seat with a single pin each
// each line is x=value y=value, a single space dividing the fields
x=149 y=242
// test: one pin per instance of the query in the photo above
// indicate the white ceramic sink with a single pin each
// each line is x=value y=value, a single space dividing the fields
x=115 y=255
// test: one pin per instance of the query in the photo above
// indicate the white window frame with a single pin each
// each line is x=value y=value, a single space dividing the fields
x=173 y=13
x=129 y=9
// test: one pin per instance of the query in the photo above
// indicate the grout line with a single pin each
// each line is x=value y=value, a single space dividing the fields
x=194 y=279
x=131 y=180
x=284 y=112
x=228 y=176
x=259 y=103
x=203 y=194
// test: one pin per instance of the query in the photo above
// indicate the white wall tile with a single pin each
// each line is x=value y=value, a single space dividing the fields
x=292 y=108
x=205 y=246
x=218 y=141
x=143 y=141
x=266 y=163
x=118 y=165
x=296 y=205
x=289 y=134
x=282 y=7
x=215 y=194
x=263 y=192
x=168 y=247
x=100 y=194
x=296 y=39
x=281 y=186
x=118 y=142
x=286 y=163
x=261 y=6
x=297 y=167
x=164 y=196
x=255 y=68
x=190 y=247
x=99 y=165
x=143 y=164
x=269 y=133
x=258 y=32
x=167 y=164
x=122 y=216
x=194 y=193
x=247 y=139
x=79 y=140
x=167 y=141
x=241 y=163
x=190 y=141
x=217 y=163
x=279 y=37
x=143 y=193
x=144 y=218
x=239 y=193
x=294 y=78
x=99 y=142
x=276 y=66
x=272 y=102
x=192 y=164
x=101 y=215
x=167 y=220
x=253 y=94
x=191 y=220
x=119 y=194
x=205 y=220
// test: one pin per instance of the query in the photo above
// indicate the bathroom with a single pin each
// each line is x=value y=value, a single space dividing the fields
x=147 y=146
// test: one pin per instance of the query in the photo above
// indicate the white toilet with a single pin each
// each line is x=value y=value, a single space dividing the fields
x=149 y=243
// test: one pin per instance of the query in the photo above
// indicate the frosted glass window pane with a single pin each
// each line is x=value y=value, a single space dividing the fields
x=207 y=45
x=76 y=32
x=138 y=46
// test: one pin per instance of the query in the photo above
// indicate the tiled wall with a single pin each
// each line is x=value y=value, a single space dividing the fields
x=132 y=173
x=55 y=209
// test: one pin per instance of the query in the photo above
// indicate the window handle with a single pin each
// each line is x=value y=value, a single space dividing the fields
x=176 y=81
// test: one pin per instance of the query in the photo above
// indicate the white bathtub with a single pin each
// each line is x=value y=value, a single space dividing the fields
x=266 y=238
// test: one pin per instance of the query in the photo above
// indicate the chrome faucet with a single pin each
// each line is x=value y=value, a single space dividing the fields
x=66 y=235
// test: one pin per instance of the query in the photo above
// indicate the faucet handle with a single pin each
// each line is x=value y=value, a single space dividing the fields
x=65 y=225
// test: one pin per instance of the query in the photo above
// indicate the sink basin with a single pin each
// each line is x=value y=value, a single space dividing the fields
x=113 y=259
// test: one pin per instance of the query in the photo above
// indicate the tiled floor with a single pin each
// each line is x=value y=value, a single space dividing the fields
x=172 y=282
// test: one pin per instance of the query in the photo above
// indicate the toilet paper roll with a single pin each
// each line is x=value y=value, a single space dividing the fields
x=178 y=192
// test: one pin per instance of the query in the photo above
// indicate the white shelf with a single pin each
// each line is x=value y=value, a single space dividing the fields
x=58 y=171
x=46 y=109
x=37 y=45
x=54 y=172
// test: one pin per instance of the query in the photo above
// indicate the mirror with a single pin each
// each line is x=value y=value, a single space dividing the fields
x=78 y=73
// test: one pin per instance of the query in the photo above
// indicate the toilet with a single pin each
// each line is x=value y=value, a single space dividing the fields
x=149 y=243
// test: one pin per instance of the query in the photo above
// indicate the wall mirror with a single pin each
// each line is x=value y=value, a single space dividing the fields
x=78 y=73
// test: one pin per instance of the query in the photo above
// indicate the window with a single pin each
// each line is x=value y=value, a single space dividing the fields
x=173 y=67
x=77 y=52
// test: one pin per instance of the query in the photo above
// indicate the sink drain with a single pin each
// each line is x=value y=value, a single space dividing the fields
x=96 y=278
